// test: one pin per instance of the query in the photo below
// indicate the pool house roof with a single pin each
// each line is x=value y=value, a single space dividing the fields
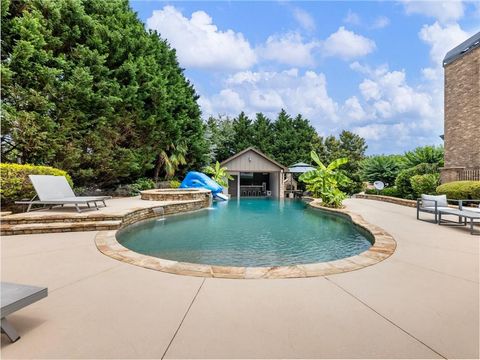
x=262 y=155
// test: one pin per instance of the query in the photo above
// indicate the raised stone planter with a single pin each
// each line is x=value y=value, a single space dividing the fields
x=175 y=194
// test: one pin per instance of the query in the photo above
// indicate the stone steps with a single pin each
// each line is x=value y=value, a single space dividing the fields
x=58 y=219
x=52 y=227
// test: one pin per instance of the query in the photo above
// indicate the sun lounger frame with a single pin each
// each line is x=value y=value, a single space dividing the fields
x=14 y=298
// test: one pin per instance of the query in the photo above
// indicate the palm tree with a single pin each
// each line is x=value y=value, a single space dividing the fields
x=219 y=174
x=170 y=159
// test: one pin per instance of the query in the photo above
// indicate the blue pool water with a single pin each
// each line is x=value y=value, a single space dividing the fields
x=248 y=232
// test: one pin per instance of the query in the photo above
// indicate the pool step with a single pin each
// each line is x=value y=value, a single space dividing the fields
x=52 y=227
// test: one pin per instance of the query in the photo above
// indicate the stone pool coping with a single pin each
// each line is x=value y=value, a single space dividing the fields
x=383 y=247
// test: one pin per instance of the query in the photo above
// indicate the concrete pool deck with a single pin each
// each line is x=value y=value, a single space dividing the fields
x=422 y=302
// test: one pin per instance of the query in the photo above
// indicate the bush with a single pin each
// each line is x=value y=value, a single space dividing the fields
x=383 y=168
x=460 y=190
x=141 y=184
x=424 y=154
x=403 y=183
x=388 y=191
x=425 y=184
x=174 y=184
x=15 y=184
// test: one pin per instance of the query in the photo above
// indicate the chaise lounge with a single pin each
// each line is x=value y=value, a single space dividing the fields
x=55 y=190
x=431 y=204
x=15 y=297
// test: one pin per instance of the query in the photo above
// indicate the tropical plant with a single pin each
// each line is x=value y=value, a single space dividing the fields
x=424 y=155
x=324 y=181
x=169 y=160
x=383 y=168
x=219 y=174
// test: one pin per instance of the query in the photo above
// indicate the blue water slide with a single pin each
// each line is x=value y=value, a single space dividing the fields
x=195 y=179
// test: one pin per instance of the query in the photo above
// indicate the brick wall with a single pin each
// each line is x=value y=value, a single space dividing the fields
x=462 y=115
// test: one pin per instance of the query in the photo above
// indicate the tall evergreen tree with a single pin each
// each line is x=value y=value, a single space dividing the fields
x=263 y=135
x=242 y=126
x=86 y=88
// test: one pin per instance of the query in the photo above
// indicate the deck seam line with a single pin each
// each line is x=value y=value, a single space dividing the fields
x=183 y=319
x=384 y=317
x=435 y=271
x=84 y=278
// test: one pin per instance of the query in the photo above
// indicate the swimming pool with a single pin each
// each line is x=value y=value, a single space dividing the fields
x=249 y=233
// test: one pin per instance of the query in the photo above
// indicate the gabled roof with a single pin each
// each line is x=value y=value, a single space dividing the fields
x=460 y=50
x=251 y=148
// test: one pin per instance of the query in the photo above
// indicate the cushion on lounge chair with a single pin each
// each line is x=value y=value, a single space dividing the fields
x=50 y=187
x=429 y=201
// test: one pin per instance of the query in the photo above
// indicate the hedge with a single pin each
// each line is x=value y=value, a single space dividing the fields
x=460 y=190
x=15 y=184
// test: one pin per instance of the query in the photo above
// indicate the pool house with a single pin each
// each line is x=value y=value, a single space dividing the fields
x=254 y=174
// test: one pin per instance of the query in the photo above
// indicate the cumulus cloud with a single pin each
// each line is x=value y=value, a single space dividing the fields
x=296 y=92
x=347 y=45
x=199 y=43
x=443 y=11
x=441 y=39
x=288 y=49
x=304 y=19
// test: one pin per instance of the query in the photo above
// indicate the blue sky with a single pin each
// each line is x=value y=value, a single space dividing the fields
x=370 y=67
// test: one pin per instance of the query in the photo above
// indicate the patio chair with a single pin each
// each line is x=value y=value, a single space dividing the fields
x=55 y=190
x=431 y=204
x=15 y=297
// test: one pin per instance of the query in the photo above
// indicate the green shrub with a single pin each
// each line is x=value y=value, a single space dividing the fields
x=403 y=183
x=424 y=154
x=383 y=168
x=388 y=191
x=141 y=184
x=460 y=190
x=174 y=184
x=425 y=184
x=15 y=184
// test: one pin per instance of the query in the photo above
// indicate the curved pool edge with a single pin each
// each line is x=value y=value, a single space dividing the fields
x=383 y=247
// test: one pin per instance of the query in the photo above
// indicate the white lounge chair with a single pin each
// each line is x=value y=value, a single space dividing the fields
x=431 y=204
x=16 y=297
x=55 y=190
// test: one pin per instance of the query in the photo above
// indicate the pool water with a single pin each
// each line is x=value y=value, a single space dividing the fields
x=248 y=232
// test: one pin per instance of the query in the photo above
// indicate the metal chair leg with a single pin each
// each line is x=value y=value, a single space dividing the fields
x=9 y=330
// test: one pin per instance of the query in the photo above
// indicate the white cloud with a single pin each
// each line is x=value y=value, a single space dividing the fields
x=296 y=92
x=353 y=110
x=442 y=39
x=443 y=11
x=199 y=43
x=288 y=49
x=352 y=18
x=380 y=22
x=346 y=44
x=304 y=19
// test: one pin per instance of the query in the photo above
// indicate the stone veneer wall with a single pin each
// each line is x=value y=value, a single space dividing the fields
x=390 y=199
x=174 y=194
x=462 y=115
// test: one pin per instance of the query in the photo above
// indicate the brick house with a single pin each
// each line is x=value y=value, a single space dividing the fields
x=462 y=112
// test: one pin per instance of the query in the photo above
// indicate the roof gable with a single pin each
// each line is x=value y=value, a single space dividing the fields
x=232 y=159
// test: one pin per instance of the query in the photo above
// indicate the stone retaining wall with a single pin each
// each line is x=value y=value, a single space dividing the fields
x=174 y=194
x=390 y=199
